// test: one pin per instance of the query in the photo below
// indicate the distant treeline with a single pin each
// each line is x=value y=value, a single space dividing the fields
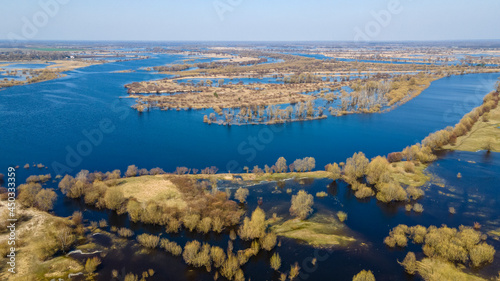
x=32 y=55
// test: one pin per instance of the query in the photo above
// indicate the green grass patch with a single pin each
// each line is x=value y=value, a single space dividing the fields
x=495 y=233
x=483 y=135
x=56 y=268
x=147 y=188
x=416 y=178
x=319 y=231
x=436 y=270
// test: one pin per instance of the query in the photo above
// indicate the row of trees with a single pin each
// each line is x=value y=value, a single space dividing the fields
x=133 y=171
x=366 y=97
x=216 y=64
x=269 y=114
x=299 y=165
x=449 y=135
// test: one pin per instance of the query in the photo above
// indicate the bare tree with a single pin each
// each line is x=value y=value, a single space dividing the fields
x=66 y=238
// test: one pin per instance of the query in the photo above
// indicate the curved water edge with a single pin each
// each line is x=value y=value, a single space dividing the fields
x=71 y=275
x=78 y=122
x=82 y=253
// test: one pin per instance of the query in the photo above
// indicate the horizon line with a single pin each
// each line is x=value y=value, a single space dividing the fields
x=250 y=41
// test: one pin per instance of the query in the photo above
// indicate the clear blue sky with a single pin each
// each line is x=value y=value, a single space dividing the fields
x=251 y=20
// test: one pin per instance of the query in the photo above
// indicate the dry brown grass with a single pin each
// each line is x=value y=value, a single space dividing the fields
x=65 y=65
x=483 y=135
x=34 y=236
x=319 y=231
x=228 y=96
x=152 y=188
x=433 y=269
x=50 y=72
x=417 y=178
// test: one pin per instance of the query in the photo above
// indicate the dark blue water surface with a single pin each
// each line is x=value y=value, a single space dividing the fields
x=48 y=122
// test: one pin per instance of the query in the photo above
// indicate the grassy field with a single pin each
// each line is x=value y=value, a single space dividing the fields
x=319 y=231
x=227 y=96
x=437 y=270
x=263 y=176
x=35 y=234
x=417 y=178
x=483 y=135
x=146 y=188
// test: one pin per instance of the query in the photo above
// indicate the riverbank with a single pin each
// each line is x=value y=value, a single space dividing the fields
x=484 y=135
x=54 y=69
x=295 y=79
x=38 y=238
x=259 y=103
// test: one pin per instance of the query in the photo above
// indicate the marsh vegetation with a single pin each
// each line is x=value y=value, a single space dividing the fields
x=309 y=88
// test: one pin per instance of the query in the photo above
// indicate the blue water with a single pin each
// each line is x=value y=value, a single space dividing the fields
x=46 y=123
x=27 y=65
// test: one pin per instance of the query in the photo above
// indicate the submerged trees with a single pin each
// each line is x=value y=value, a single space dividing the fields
x=268 y=242
x=33 y=195
x=375 y=169
x=254 y=227
x=410 y=263
x=364 y=276
x=454 y=245
x=302 y=205
x=355 y=166
x=281 y=166
x=275 y=261
x=148 y=241
x=45 y=199
x=241 y=194
x=334 y=171
x=391 y=192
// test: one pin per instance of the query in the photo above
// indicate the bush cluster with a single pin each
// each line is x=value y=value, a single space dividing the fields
x=206 y=211
x=302 y=205
x=462 y=245
x=148 y=241
x=33 y=195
